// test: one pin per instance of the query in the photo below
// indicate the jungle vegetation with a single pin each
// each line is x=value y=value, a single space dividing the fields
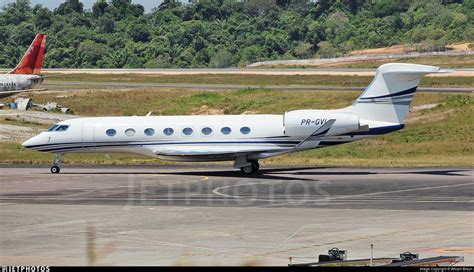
x=225 y=33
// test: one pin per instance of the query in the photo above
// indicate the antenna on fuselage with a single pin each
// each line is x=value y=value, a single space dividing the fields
x=148 y=114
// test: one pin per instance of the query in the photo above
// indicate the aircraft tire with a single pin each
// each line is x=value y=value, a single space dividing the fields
x=55 y=169
x=255 y=166
x=250 y=169
x=247 y=170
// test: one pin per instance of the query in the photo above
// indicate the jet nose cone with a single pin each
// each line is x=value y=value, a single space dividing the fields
x=29 y=143
x=26 y=143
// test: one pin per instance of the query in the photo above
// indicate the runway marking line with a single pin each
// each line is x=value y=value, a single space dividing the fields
x=124 y=238
x=216 y=191
x=291 y=236
x=378 y=193
x=152 y=175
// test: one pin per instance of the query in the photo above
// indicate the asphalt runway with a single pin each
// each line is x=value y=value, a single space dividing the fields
x=211 y=215
x=228 y=87
x=309 y=187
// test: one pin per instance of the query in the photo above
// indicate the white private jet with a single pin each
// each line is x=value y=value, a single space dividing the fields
x=244 y=139
x=26 y=74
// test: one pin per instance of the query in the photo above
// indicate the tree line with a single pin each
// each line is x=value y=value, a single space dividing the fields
x=225 y=33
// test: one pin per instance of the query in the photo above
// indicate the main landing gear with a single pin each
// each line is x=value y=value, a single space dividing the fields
x=55 y=169
x=250 y=169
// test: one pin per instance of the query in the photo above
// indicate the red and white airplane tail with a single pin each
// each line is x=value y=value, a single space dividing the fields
x=32 y=60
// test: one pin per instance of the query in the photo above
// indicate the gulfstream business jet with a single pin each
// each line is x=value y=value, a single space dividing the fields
x=244 y=139
x=26 y=74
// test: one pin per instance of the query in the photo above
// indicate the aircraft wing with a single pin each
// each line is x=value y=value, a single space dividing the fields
x=214 y=150
x=49 y=75
x=315 y=138
x=10 y=93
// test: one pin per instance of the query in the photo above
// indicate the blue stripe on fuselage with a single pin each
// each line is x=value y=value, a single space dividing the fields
x=378 y=130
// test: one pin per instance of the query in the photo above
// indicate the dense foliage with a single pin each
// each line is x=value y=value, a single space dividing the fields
x=223 y=33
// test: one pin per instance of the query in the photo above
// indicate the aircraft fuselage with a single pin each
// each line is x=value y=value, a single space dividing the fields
x=196 y=138
x=17 y=82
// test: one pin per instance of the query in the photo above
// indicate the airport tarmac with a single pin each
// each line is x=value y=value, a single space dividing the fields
x=211 y=215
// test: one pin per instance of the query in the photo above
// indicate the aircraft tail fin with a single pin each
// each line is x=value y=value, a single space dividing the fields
x=32 y=60
x=390 y=93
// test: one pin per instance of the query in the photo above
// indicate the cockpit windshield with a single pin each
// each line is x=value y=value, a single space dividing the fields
x=58 y=128
x=53 y=128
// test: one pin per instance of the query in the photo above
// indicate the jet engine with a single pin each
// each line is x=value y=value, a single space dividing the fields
x=303 y=123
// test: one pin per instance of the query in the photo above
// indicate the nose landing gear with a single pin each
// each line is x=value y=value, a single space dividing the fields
x=55 y=169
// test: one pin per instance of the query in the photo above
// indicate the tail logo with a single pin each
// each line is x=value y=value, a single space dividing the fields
x=32 y=60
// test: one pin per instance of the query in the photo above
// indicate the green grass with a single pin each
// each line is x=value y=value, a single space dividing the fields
x=181 y=102
x=441 y=137
x=19 y=122
x=255 y=80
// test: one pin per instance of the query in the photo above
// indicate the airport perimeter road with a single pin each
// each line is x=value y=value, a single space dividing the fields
x=243 y=71
x=229 y=87
x=210 y=215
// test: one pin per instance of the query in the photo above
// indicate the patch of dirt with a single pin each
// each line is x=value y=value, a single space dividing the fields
x=376 y=142
x=249 y=112
x=40 y=117
x=396 y=49
x=423 y=107
x=416 y=116
x=459 y=46
x=205 y=110
x=402 y=49
x=12 y=133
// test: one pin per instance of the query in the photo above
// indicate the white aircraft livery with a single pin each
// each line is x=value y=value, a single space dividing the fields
x=244 y=139
x=26 y=74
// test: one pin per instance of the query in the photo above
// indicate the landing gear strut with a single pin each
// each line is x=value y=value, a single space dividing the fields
x=250 y=169
x=55 y=168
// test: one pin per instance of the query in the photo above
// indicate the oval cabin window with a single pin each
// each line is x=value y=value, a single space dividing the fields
x=149 y=131
x=129 y=132
x=110 y=132
x=226 y=130
x=187 y=131
x=168 y=131
x=206 y=131
x=245 y=130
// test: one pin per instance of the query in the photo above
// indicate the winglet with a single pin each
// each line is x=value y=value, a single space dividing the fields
x=32 y=60
x=314 y=139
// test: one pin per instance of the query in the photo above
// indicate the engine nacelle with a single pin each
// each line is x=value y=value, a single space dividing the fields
x=303 y=123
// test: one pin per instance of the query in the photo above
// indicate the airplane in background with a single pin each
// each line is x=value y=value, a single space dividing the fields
x=27 y=73
x=244 y=139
